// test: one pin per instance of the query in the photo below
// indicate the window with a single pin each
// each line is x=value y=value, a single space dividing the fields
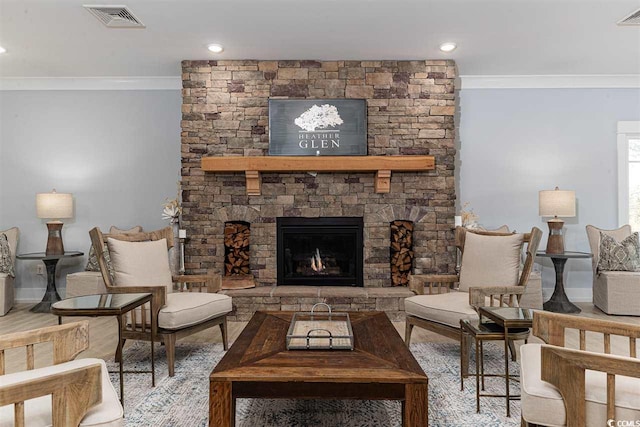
x=629 y=174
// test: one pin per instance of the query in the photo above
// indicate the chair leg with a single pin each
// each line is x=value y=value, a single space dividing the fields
x=118 y=355
x=223 y=331
x=407 y=332
x=512 y=350
x=170 y=346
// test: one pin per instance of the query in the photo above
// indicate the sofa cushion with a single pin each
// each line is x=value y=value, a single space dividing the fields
x=140 y=263
x=490 y=260
x=189 y=308
x=447 y=309
x=619 y=256
x=543 y=404
x=38 y=411
x=593 y=234
x=6 y=261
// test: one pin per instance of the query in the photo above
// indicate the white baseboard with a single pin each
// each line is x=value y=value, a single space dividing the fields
x=575 y=294
x=28 y=295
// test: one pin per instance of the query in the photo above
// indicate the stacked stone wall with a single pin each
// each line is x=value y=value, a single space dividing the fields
x=411 y=108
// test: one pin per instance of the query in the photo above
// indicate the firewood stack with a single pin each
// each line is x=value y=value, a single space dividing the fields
x=401 y=252
x=236 y=248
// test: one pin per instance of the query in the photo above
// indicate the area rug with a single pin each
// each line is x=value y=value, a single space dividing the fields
x=183 y=399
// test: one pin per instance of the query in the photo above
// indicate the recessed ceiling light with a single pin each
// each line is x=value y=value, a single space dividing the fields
x=448 y=47
x=215 y=48
x=2 y=50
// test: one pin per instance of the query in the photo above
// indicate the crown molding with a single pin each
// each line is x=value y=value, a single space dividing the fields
x=565 y=81
x=91 y=83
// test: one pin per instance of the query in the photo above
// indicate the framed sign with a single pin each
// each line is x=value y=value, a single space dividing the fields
x=317 y=127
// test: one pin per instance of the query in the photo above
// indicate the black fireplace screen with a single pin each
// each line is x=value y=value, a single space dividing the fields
x=320 y=251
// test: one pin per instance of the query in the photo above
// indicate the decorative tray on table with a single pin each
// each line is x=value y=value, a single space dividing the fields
x=320 y=331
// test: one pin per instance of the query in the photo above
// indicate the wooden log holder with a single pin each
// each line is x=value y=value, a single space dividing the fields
x=381 y=165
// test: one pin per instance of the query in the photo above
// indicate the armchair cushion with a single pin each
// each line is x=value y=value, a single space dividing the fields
x=617 y=292
x=619 y=256
x=92 y=263
x=593 y=235
x=6 y=263
x=543 y=404
x=190 y=308
x=140 y=263
x=490 y=260
x=38 y=411
x=447 y=309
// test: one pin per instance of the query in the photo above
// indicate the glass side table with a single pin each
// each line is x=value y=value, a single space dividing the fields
x=109 y=305
x=510 y=323
x=50 y=261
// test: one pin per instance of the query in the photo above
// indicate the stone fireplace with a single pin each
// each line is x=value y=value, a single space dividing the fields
x=410 y=111
x=325 y=251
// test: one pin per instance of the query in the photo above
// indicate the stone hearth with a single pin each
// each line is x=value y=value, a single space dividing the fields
x=302 y=298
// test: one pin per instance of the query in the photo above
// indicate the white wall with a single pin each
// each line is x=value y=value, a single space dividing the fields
x=515 y=142
x=118 y=152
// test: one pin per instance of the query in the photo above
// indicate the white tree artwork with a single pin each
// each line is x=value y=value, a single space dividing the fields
x=319 y=118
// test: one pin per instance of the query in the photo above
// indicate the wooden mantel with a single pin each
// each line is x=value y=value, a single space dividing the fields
x=381 y=165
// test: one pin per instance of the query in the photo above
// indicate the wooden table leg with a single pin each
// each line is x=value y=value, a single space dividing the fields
x=221 y=407
x=121 y=322
x=506 y=369
x=415 y=409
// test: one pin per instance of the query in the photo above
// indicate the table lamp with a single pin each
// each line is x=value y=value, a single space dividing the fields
x=556 y=203
x=54 y=206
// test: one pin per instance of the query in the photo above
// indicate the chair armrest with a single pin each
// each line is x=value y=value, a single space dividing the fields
x=477 y=294
x=73 y=392
x=441 y=281
x=565 y=369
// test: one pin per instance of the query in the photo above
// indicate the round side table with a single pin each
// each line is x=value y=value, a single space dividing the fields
x=559 y=302
x=50 y=261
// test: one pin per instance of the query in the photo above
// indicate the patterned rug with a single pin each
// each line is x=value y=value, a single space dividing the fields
x=183 y=399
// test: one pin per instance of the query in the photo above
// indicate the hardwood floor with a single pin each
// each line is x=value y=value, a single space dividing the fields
x=103 y=333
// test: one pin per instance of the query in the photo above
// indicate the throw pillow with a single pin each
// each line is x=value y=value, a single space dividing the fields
x=92 y=263
x=6 y=262
x=619 y=256
x=140 y=263
x=490 y=260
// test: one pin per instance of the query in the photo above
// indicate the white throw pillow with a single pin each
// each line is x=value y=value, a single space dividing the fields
x=490 y=260
x=140 y=263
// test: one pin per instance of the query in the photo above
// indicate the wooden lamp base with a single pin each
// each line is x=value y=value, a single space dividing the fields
x=555 y=242
x=54 y=242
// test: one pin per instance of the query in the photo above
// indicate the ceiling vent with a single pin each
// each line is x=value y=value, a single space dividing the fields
x=114 y=16
x=632 y=19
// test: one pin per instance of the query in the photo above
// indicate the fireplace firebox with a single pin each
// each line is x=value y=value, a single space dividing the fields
x=320 y=251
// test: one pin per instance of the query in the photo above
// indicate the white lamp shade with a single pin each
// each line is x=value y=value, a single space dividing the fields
x=54 y=205
x=557 y=203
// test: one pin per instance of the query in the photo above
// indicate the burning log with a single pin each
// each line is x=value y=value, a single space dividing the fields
x=401 y=252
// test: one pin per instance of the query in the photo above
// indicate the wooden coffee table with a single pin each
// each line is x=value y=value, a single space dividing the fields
x=258 y=365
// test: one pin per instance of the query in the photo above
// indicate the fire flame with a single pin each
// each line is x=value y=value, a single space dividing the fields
x=316 y=261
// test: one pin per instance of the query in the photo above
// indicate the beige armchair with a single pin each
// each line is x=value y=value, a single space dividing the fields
x=139 y=263
x=576 y=387
x=614 y=292
x=7 y=291
x=68 y=393
x=490 y=274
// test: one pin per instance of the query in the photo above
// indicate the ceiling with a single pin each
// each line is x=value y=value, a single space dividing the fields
x=59 y=38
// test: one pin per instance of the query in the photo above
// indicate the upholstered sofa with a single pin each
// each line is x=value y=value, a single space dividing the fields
x=6 y=281
x=614 y=292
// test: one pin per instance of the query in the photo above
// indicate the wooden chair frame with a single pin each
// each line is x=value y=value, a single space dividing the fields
x=186 y=283
x=73 y=392
x=442 y=283
x=565 y=368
